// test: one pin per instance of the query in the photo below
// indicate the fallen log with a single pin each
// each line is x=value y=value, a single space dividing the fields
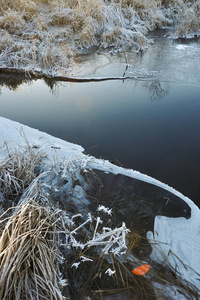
x=34 y=74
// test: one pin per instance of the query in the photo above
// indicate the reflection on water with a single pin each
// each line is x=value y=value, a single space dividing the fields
x=119 y=121
x=12 y=82
x=157 y=90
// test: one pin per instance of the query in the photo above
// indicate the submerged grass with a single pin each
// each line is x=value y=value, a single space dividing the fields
x=44 y=34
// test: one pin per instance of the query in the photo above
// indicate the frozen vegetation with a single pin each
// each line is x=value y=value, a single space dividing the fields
x=45 y=35
x=77 y=248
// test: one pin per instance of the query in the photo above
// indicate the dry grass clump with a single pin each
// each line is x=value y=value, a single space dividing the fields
x=141 y=5
x=62 y=17
x=113 y=37
x=95 y=10
x=29 y=6
x=17 y=170
x=41 y=24
x=12 y=21
x=87 y=34
x=118 y=37
x=188 y=21
x=6 y=39
x=29 y=254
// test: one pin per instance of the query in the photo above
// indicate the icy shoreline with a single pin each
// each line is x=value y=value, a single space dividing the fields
x=177 y=238
x=10 y=132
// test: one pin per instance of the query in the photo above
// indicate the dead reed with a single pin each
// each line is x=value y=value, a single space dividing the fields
x=18 y=168
x=29 y=254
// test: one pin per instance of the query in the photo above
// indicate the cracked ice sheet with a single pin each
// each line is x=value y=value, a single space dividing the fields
x=178 y=235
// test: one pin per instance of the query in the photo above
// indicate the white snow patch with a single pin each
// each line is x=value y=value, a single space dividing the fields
x=181 y=47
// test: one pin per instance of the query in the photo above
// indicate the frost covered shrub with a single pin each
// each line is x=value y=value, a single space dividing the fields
x=188 y=21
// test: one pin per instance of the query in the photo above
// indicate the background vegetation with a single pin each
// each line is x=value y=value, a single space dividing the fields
x=45 y=34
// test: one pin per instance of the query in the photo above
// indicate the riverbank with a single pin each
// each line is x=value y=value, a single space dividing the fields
x=47 y=36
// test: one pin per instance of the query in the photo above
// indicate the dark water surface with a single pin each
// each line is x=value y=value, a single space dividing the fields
x=150 y=126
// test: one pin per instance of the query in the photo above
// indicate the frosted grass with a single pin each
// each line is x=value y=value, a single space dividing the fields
x=44 y=35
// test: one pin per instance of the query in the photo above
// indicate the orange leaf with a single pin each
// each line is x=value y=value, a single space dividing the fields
x=141 y=270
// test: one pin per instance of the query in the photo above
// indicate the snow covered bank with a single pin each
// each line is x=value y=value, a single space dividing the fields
x=45 y=35
x=89 y=229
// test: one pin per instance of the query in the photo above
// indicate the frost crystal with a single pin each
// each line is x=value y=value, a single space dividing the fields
x=75 y=265
x=110 y=272
x=83 y=259
x=105 y=209
x=63 y=282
